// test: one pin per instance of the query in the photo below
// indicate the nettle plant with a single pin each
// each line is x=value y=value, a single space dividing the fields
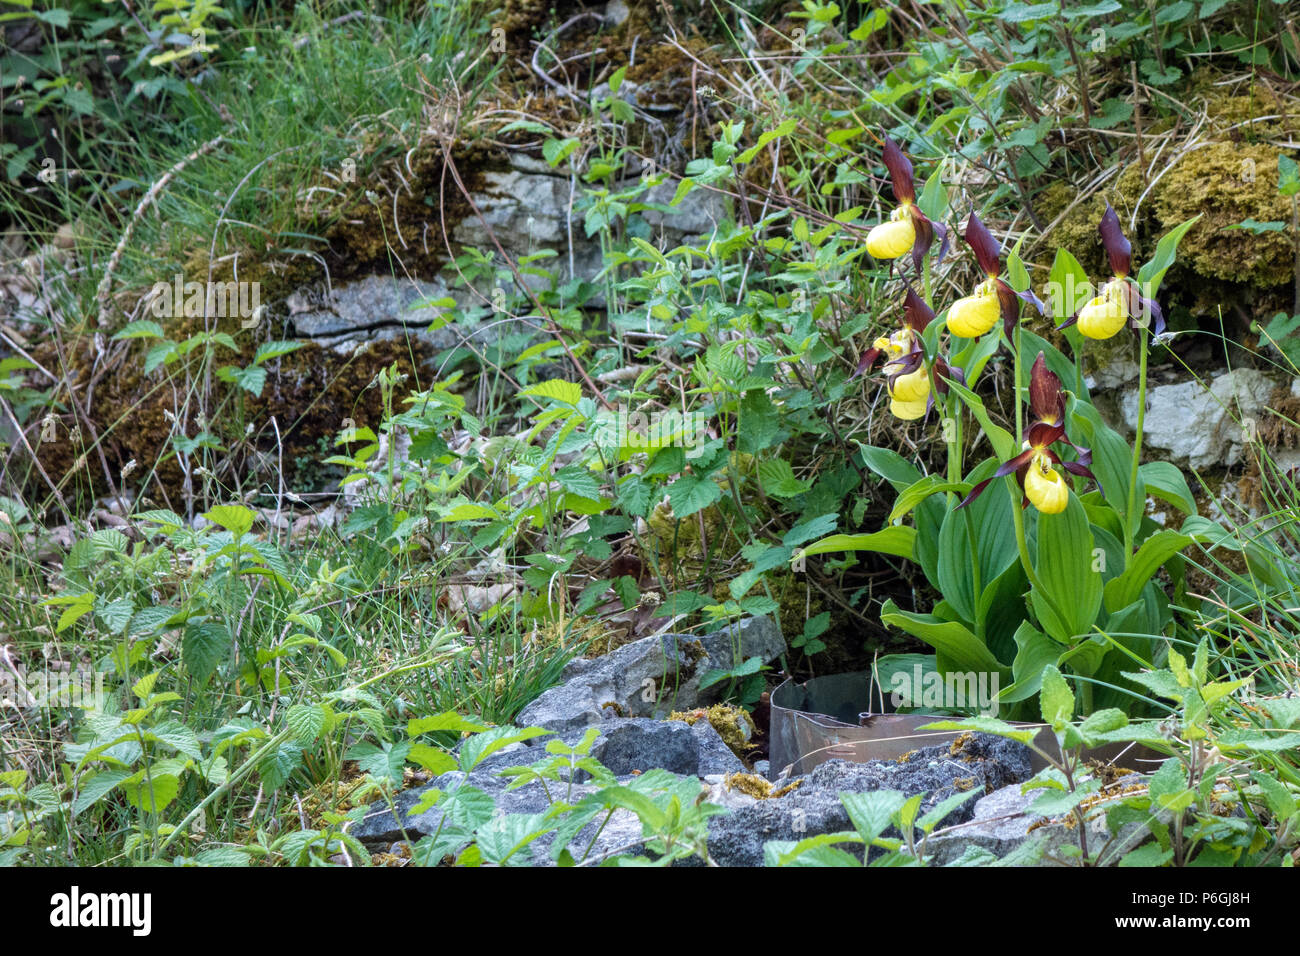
x=1043 y=554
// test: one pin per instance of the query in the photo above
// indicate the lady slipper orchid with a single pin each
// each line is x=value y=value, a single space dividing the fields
x=908 y=229
x=1104 y=315
x=909 y=394
x=903 y=341
x=892 y=239
x=908 y=384
x=1120 y=300
x=909 y=411
x=972 y=316
x=1043 y=486
x=975 y=314
x=909 y=388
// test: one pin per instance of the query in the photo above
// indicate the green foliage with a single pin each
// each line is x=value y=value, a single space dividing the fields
x=874 y=814
x=695 y=455
x=1194 y=810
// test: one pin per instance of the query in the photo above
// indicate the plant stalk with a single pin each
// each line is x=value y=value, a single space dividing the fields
x=1137 y=448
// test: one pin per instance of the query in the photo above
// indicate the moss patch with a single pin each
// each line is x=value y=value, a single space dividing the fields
x=309 y=392
x=734 y=725
x=758 y=787
x=1229 y=183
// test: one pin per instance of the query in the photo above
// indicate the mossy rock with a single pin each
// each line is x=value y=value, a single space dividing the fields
x=733 y=724
x=309 y=392
x=1077 y=232
x=1229 y=183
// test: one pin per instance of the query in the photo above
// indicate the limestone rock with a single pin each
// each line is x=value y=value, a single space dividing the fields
x=813 y=808
x=1199 y=428
x=369 y=303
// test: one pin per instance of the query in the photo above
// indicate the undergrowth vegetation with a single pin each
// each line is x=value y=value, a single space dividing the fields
x=253 y=581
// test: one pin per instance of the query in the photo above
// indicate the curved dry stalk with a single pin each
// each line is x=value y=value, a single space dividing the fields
x=149 y=198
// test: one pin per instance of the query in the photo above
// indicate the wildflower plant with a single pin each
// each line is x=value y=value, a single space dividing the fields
x=908 y=229
x=1061 y=569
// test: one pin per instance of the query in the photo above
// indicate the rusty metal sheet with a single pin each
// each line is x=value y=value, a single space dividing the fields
x=823 y=719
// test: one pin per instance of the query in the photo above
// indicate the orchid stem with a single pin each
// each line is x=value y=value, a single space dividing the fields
x=1013 y=488
x=1129 y=523
x=956 y=472
x=1015 y=389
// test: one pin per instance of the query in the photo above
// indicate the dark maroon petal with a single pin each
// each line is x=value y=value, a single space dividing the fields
x=1157 y=316
x=941 y=231
x=1042 y=434
x=905 y=365
x=1139 y=306
x=917 y=315
x=1035 y=301
x=867 y=361
x=983 y=245
x=1084 y=454
x=1118 y=248
x=975 y=493
x=1009 y=303
x=1045 y=398
x=1020 y=480
x=1019 y=465
x=1016 y=464
x=900 y=172
x=1075 y=468
x=925 y=231
x=943 y=373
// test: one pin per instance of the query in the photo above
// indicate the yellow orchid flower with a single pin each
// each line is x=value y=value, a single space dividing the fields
x=1120 y=299
x=1044 y=486
x=894 y=238
x=907 y=229
x=972 y=316
x=1104 y=315
x=975 y=314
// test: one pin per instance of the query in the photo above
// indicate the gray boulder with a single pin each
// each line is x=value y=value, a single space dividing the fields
x=985 y=763
x=1003 y=825
x=735 y=839
x=379 y=307
x=381 y=825
x=625 y=746
x=638 y=745
x=367 y=304
x=1000 y=823
x=715 y=757
x=746 y=638
x=651 y=677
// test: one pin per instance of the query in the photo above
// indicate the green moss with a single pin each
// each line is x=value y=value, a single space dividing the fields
x=798 y=601
x=309 y=392
x=734 y=725
x=1077 y=232
x=1229 y=183
x=1242 y=106
x=758 y=787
